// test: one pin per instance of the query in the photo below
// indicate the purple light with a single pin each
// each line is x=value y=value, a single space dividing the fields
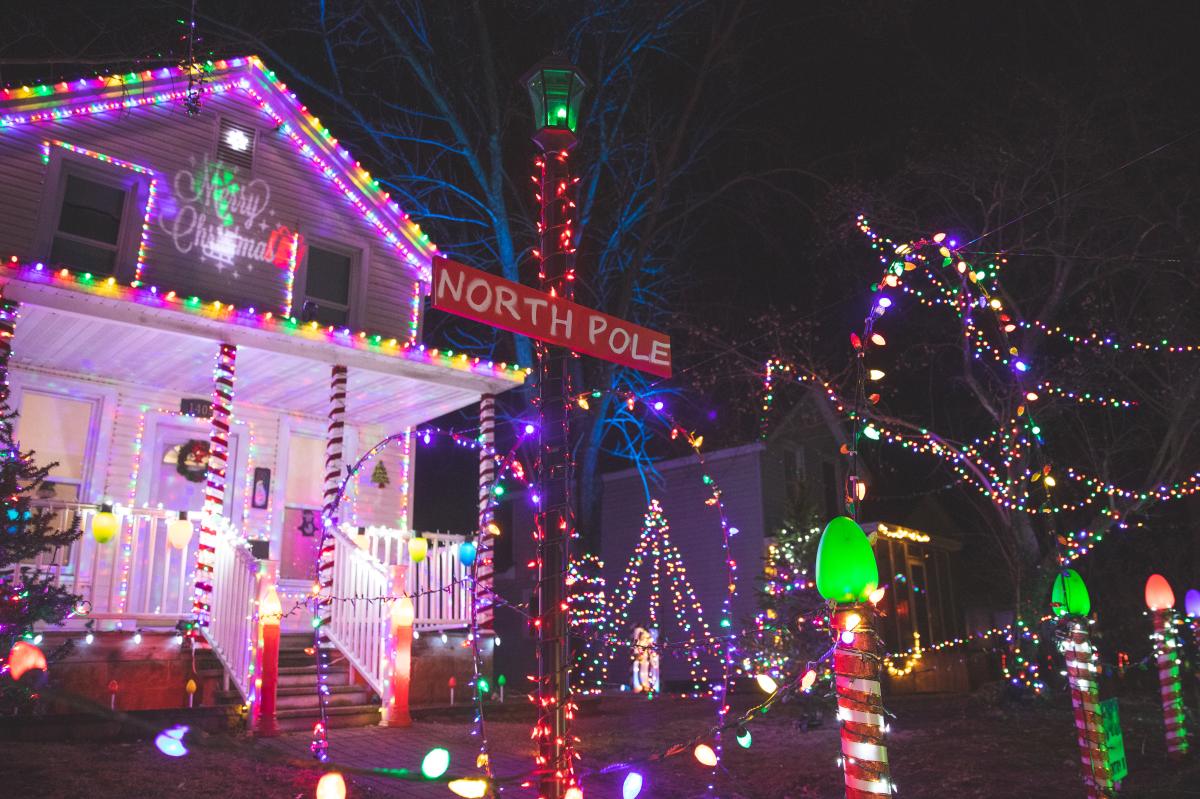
x=1021 y=366
x=170 y=741
x=885 y=302
x=425 y=438
x=658 y=406
x=528 y=429
x=537 y=499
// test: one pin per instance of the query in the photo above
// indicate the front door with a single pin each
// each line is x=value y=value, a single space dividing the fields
x=180 y=468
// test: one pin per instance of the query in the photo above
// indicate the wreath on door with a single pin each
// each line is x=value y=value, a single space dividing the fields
x=192 y=460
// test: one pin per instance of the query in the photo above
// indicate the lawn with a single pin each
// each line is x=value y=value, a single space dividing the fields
x=967 y=747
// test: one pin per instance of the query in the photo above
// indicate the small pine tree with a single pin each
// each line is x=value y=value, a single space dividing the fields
x=28 y=595
x=791 y=626
x=589 y=623
x=379 y=476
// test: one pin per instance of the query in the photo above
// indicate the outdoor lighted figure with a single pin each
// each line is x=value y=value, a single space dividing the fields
x=1161 y=601
x=1069 y=601
x=847 y=575
x=403 y=615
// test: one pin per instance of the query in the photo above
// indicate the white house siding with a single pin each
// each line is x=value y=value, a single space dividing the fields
x=695 y=529
x=367 y=506
x=164 y=138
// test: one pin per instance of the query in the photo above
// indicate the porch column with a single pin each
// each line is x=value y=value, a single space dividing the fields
x=214 y=491
x=484 y=569
x=8 y=325
x=335 y=435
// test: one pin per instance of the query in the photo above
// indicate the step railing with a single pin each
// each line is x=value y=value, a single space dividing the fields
x=135 y=577
x=231 y=631
x=360 y=621
x=438 y=584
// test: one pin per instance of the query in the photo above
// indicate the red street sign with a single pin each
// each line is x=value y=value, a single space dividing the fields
x=478 y=295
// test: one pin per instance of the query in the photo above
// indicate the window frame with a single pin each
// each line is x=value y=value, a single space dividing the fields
x=98 y=447
x=357 y=252
x=64 y=164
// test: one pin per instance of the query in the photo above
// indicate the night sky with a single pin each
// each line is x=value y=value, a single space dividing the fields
x=830 y=109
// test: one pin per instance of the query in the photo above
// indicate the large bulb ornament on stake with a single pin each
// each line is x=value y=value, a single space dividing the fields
x=1070 y=602
x=847 y=575
x=1165 y=640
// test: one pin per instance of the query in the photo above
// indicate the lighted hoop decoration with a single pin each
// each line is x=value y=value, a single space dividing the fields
x=508 y=464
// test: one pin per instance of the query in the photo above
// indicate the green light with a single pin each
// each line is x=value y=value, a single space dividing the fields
x=561 y=112
x=435 y=763
x=871 y=433
x=744 y=738
x=483 y=685
x=498 y=490
x=846 y=568
x=725 y=623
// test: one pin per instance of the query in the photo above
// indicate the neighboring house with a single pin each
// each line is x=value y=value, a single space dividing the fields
x=140 y=241
x=759 y=482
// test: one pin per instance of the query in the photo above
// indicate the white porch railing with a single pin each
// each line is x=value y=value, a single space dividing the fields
x=135 y=577
x=234 y=592
x=438 y=584
x=359 y=629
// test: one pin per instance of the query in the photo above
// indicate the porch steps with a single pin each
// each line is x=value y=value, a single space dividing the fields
x=298 y=708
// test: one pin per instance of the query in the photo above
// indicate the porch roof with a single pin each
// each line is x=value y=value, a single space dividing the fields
x=74 y=330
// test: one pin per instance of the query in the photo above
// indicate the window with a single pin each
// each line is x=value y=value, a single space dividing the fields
x=304 y=495
x=87 y=237
x=327 y=286
x=57 y=429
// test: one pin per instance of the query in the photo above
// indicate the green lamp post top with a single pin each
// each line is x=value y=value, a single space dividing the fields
x=846 y=567
x=555 y=89
x=1069 y=595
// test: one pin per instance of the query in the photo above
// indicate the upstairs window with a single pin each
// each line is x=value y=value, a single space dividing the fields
x=328 y=278
x=88 y=234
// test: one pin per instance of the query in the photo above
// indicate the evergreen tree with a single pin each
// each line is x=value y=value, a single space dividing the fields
x=791 y=627
x=590 y=626
x=28 y=594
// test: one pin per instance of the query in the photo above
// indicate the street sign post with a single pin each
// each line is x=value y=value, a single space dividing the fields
x=479 y=295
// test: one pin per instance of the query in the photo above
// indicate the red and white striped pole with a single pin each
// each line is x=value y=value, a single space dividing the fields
x=334 y=440
x=484 y=566
x=856 y=666
x=8 y=327
x=214 y=491
x=1161 y=601
x=1083 y=674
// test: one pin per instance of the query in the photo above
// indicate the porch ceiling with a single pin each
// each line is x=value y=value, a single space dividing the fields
x=72 y=343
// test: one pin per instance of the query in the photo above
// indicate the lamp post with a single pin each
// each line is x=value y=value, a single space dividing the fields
x=395 y=704
x=847 y=575
x=555 y=89
x=1161 y=601
x=1069 y=601
x=270 y=615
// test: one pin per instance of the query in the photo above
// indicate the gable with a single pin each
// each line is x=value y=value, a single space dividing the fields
x=234 y=229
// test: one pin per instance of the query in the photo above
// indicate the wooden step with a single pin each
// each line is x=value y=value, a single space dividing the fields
x=294 y=719
x=306 y=697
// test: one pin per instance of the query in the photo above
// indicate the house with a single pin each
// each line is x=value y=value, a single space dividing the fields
x=760 y=482
x=213 y=309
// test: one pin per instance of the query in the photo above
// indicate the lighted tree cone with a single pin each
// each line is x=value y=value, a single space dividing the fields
x=1166 y=653
x=214 y=489
x=856 y=666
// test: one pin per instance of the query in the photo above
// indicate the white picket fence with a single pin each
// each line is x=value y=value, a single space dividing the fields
x=231 y=631
x=359 y=627
x=133 y=579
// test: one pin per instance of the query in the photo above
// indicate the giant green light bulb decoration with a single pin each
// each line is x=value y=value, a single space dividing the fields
x=1069 y=601
x=846 y=567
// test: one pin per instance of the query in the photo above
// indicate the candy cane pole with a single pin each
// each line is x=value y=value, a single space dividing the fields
x=214 y=489
x=856 y=665
x=1161 y=601
x=487 y=481
x=1083 y=675
x=847 y=576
